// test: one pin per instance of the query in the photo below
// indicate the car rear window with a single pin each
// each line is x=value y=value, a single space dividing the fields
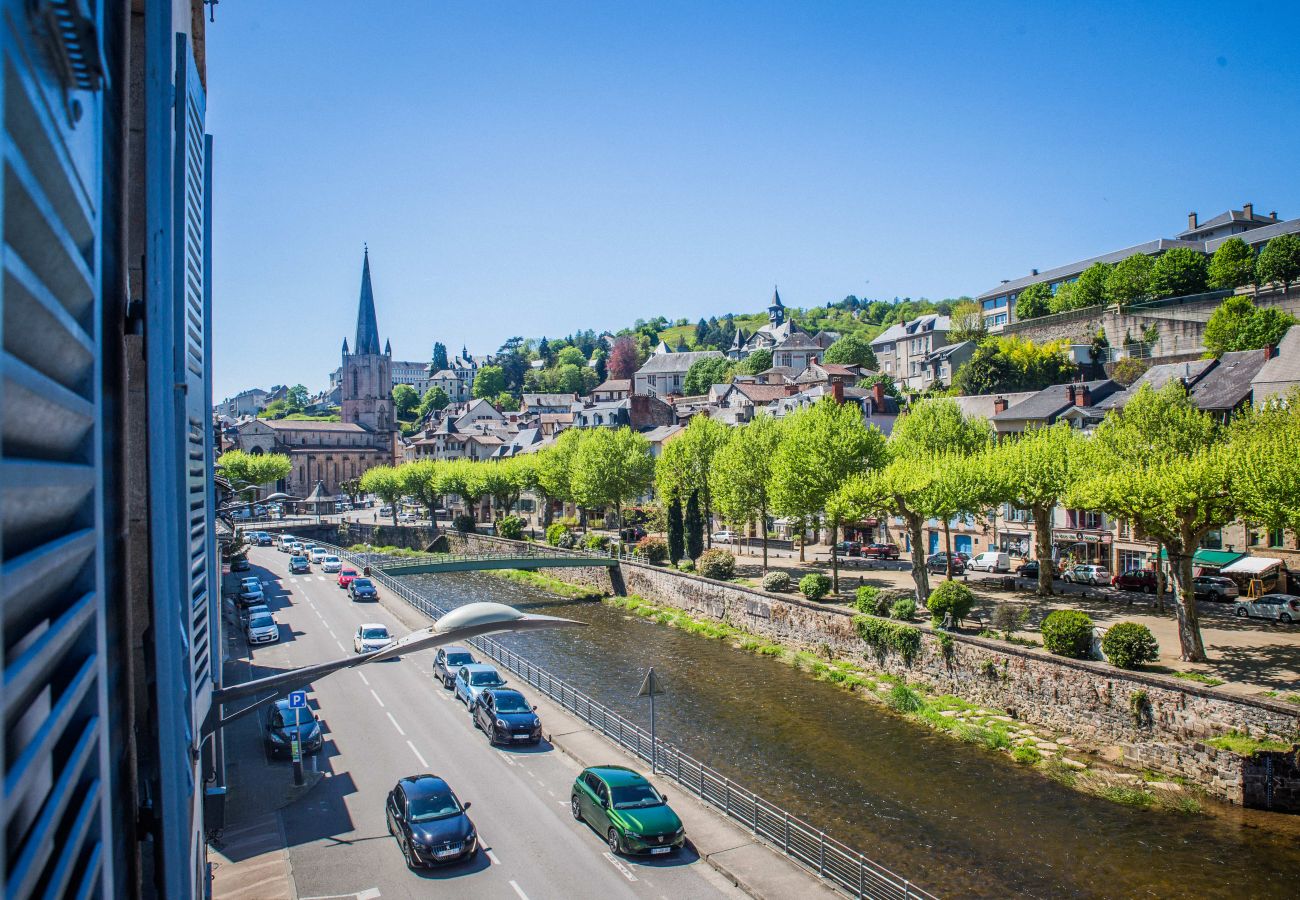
x=361 y=582
x=485 y=678
x=459 y=659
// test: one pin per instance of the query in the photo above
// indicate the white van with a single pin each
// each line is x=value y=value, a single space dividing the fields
x=990 y=561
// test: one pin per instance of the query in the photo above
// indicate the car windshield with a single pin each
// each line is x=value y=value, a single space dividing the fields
x=485 y=678
x=261 y=621
x=512 y=703
x=361 y=582
x=434 y=804
x=375 y=634
x=351 y=572
x=331 y=559
x=631 y=796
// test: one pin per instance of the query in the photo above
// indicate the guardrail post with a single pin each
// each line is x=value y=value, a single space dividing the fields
x=786 y=845
x=862 y=876
x=728 y=796
x=821 y=853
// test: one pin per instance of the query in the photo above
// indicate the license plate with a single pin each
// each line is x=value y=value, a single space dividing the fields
x=443 y=854
x=521 y=737
x=660 y=849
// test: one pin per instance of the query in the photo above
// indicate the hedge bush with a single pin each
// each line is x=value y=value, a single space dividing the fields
x=511 y=527
x=951 y=597
x=1129 y=645
x=815 y=585
x=715 y=563
x=465 y=524
x=866 y=599
x=594 y=541
x=776 y=581
x=554 y=532
x=568 y=541
x=882 y=635
x=686 y=566
x=904 y=610
x=653 y=548
x=1067 y=632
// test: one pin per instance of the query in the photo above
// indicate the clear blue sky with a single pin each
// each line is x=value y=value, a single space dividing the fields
x=537 y=168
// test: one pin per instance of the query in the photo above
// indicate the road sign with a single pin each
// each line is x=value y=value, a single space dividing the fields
x=652 y=684
x=297 y=699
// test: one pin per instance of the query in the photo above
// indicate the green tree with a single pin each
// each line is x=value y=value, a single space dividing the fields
x=506 y=402
x=489 y=381
x=296 y=399
x=1238 y=324
x=852 y=350
x=246 y=471
x=570 y=356
x=694 y=526
x=1034 y=301
x=1266 y=479
x=434 y=398
x=1065 y=299
x=439 y=362
x=1130 y=280
x=967 y=325
x=612 y=466
x=675 y=543
x=1011 y=363
x=554 y=468
x=706 y=372
x=351 y=487
x=1090 y=289
x=684 y=465
x=405 y=400
x=1178 y=273
x=757 y=362
x=462 y=478
x=1232 y=265
x=741 y=473
x=421 y=481
x=386 y=484
x=1279 y=262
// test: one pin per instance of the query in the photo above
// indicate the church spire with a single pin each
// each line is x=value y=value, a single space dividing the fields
x=367 y=326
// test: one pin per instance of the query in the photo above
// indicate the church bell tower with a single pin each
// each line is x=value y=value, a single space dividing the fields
x=368 y=371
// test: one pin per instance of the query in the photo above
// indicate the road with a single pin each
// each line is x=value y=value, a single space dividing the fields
x=390 y=720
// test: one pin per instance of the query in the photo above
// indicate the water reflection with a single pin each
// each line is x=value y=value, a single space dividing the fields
x=958 y=819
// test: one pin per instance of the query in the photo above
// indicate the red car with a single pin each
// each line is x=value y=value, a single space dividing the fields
x=880 y=551
x=1136 y=580
x=346 y=576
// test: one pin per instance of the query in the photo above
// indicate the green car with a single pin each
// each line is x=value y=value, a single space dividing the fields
x=627 y=810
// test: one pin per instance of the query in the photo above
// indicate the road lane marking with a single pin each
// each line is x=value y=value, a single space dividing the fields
x=509 y=761
x=417 y=754
x=395 y=725
x=492 y=856
x=551 y=792
x=376 y=696
x=340 y=643
x=627 y=873
x=519 y=891
x=364 y=678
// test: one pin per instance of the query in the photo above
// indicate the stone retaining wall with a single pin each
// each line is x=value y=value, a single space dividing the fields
x=1160 y=722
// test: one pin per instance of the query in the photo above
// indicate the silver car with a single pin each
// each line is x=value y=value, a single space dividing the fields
x=1282 y=608
x=371 y=636
x=262 y=629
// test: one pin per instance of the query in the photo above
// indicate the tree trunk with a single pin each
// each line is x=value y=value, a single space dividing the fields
x=803 y=536
x=1043 y=548
x=1160 y=577
x=1189 y=625
x=835 y=557
x=947 y=546
x=919 y=575
x=762 y=523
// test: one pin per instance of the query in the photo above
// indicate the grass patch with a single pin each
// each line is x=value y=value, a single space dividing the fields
x=1199 y=678
x=388 y=550
x=1027 y=754
x=548 y=584
x=1244 y=744
x=1129 y=796
x=904 y=699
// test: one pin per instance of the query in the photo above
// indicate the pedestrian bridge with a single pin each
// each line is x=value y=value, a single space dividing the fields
x=469 y=562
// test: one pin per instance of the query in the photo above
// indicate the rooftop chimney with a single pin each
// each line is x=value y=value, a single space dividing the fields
x=1191 y=221
x=1083 y=396
x=999 y=405
x=878 y=395
x=1273 y=215
x=1248 y=210
x=1069 y=392
x=1270 y=351
x=1033 y=271
x=837 y=391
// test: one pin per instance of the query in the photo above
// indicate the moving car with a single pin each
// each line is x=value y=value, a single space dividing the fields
x=262 y=629
x=262 y=538
x=362 y=589
x=937 y=564
x=1136 y=580
x=282 y=724
x=626 y=810
x=1283 y=608
x=1215 y=587
x=505 y=717
x=448 y=660
x=880 y=551
x=1087 y=574
x=346 y=576
x=299 y=565
x=429 y=822
x=286 y=540
x=849 y=548
x=316 y=554
x=331 y=564
x=472 y=679
x=990 y=561
x=371 y=636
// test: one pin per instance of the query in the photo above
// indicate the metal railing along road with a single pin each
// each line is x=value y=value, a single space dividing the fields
x=800 y=841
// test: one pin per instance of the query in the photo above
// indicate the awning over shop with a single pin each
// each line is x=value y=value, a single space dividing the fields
x=1251 y=565
x=1214 y=559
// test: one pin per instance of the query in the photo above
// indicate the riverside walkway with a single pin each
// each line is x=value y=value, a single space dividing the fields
x=468 y=562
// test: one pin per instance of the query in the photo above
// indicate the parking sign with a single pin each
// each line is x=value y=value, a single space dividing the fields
x=297 y=699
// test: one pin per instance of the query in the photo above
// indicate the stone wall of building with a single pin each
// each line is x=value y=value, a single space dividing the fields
x=1160 y=722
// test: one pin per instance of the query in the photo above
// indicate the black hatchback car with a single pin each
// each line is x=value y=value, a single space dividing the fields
x=281 y=725
x=429 y=822
x=362 y=589
x=448 y=660
x=937 y=564
x=505 y=717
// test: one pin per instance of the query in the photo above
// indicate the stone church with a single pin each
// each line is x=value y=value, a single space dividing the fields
x=367 y=436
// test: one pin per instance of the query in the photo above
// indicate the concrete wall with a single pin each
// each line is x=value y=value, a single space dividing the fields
x=1160 y=722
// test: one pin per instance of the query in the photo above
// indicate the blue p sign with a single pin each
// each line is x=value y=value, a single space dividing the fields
x=297 y=699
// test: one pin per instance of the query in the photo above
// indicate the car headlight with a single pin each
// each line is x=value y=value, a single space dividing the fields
x=277 y=737
x=500 y=724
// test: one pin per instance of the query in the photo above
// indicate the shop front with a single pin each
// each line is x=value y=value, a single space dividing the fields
x=1072 y=546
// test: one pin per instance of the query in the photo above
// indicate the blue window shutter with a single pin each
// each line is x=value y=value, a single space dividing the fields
x=52 y=606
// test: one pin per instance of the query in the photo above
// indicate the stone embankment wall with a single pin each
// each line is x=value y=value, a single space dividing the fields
x=1160 y=722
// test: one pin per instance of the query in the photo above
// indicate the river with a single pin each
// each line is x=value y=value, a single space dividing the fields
x=960 y=820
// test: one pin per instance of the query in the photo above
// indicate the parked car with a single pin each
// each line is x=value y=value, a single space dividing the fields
x=298 y=565
x=406 y=519
x=385 y=510
x=1283 y=608
x=849 y=548
x=1218 y=588
x=240 y=564
x=256 y=609
x=346 y=576
x=331 y=565
x=429 y=822
x=316 y=554
x=937 y=563
x=1087 y=574
x=724 y=536
x=1143 y=580
x=362 y=589
x=472 y=679
x=250 y=591
x=990 y=561
x=632 y=533
x=448 y=660
x=624 y=808
x=262 y=629
x=506 y=717
x=1029 y=569
x=282 y=724
x=880 y=551
x=371 y=636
